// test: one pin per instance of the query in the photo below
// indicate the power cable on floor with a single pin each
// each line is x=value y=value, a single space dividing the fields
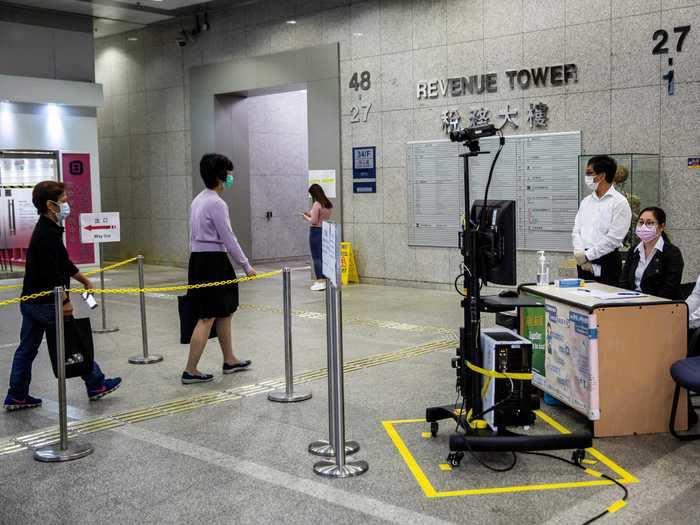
x=612 y=508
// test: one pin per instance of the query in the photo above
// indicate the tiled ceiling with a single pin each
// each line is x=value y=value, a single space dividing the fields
x=117 y=16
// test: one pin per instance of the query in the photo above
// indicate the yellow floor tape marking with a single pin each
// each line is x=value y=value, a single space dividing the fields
x=445 y=467
x=552 y=423
x=430 y=491
x=408 y=457
x=175 y=406
x=616 y=506
x=605 y=460
x=11 y=449
x=426 y=435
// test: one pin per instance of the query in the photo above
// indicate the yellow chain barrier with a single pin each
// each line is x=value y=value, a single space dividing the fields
x=157 y=289
x=87 y=274
x=110 y=267
x=24 y=298
x=177 y=287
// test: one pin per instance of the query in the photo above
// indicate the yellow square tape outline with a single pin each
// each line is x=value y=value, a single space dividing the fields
x=430 y=492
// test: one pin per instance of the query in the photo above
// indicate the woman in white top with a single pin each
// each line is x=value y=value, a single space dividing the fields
x=320 y=211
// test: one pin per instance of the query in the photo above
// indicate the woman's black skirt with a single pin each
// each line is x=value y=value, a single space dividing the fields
x=216 y=301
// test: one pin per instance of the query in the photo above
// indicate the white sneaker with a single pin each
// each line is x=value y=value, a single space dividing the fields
x=318 y=286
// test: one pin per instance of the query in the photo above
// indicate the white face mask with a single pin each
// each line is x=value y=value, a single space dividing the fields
x=589 y=182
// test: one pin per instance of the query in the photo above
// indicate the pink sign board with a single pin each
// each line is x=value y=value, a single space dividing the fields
x=75 y=168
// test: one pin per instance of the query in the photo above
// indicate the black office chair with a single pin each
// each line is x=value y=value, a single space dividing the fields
x=686 y=374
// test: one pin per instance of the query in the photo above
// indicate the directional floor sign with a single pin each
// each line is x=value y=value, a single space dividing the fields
x=99 y=227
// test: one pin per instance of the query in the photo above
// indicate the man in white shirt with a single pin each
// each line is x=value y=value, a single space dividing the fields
x=602 y=222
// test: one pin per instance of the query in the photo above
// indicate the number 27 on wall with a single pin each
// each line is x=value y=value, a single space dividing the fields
x=360 y=113
x=660 y=48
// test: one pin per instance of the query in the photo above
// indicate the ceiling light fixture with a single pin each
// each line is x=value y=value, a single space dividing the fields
x=358 y=34
x=291 y=22
x=133 y=39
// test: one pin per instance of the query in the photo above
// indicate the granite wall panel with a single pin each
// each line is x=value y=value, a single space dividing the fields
x=619 y=103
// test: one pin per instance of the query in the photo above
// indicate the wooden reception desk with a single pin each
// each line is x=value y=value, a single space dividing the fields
x=635 y=339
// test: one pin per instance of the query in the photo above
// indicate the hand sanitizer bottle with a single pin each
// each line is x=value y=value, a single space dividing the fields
x=542 y=269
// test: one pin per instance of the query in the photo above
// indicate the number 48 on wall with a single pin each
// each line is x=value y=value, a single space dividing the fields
x=365 y=81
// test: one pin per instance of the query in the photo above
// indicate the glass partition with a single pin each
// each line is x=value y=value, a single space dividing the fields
x=20 y=171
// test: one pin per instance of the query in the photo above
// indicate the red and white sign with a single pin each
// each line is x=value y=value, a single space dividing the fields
x=77 y=177
x=99 y=227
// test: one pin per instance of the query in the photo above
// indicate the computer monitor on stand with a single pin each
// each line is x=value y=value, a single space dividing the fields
x=496 y=240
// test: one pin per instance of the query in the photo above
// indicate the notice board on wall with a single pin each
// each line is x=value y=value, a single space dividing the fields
x=539 y=172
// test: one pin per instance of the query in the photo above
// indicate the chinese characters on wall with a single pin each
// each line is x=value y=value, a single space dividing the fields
x=536 y=116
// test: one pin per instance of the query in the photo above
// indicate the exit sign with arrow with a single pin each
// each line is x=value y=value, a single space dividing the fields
x=99 y=227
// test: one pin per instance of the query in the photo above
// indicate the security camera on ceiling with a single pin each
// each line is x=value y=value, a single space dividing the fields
x=189 y=36
x=183 y=38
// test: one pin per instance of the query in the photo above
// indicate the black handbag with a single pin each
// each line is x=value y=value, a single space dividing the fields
x=188 y=321
x=79 y=347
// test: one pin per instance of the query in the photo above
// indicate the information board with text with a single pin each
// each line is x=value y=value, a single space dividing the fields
x=539 y=172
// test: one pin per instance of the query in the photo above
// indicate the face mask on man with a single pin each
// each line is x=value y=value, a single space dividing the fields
x=589 y=179
x=646 y=233
x=63 y=211
x=229 y=180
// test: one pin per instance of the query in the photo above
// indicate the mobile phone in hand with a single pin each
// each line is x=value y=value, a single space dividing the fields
x=89 y=300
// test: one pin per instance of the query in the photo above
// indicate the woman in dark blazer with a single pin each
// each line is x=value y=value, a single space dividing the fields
x=655 y=266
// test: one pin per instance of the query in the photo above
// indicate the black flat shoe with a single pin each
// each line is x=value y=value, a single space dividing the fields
x=238 y=367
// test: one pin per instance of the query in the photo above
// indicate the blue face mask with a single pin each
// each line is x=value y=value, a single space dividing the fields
x=63 y=212
x=229 y=181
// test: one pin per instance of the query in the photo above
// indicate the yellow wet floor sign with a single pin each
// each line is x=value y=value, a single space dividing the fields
x=348 y=266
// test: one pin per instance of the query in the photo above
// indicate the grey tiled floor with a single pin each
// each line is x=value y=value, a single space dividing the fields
x=245 y=461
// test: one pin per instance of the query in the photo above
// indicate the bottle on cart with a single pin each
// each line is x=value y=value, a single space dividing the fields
x=542 y=269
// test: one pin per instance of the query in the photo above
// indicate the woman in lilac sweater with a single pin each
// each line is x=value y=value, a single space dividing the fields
x=211 y=242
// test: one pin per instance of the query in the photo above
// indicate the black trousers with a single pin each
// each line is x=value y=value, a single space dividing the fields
x=610 y=269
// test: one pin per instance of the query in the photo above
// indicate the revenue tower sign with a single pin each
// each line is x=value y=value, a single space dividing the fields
x=547 y=76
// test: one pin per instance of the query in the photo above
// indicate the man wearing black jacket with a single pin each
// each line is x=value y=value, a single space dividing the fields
x=48 y=266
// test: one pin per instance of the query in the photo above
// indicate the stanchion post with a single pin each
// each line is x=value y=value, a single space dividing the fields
x=104 y=329
x=144 y=359
x=322 y=447
x=64 y=450
x=288 y=396
x=340 y=468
